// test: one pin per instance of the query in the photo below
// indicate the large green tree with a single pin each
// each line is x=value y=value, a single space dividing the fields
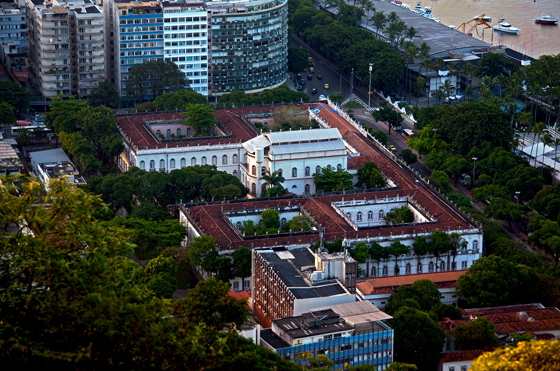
x=15 y=95
x=179 y=100
x=297 y=59
x=370 y=176
x=155 y=78
x=476 y=334
x=331 y=180
x=201 y=118
x=105 y=94
x=161 y=276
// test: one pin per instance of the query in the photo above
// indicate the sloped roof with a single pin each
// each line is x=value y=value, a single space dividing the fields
x=387 y=284
x=332 y=145
x=295 y=136
x=357 y=312
x=460 y=356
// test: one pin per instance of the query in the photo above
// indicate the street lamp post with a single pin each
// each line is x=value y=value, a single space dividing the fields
x=369 y=90
x=474 y=171
x=351 y=87
x=517 y=198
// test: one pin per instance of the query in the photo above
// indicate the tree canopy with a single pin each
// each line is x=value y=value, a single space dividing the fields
x=330 y=180
x=476 y=334
x=105 y=94
x=540 y=355
x=370 y=176
x=179 y=100
x=154 y=78
x=201 y=118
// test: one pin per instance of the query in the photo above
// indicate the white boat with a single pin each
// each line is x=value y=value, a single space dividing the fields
x=418 y=8
x=428 y=14
x=505 y=27
x=485 y=18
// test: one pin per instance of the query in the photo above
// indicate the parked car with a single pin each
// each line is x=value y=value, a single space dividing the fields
x=319 y=77
x=299 y=76
x=311 y=69
x=310 y=59
x=309 y=77
x=313 y=91
x=302 y=82
x=300 y=87
x=392 y=148
x=327 y=86
x=322 y=98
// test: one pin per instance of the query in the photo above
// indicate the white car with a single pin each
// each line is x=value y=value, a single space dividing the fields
x=322 y=98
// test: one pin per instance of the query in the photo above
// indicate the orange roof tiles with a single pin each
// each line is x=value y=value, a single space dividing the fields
x=461 y=356
x=387 y=284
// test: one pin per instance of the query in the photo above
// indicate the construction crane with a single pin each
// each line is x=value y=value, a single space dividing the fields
x=478 y=20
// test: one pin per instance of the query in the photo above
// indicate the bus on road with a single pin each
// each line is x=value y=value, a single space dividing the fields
x=407 y=133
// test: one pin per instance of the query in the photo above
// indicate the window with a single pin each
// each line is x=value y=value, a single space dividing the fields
x=442 y=266
x=168 y=133
x=236 y=285
x=464 y=265
x=183 y=162
x=214 y=160
x=234 y=159
x=193 y=161
x=162 y=164
x=294 y=172
x=263 y=171
x=397 y=269
x=408 y=269
x=254 y=170
x=359 y=216
x=283 y=221
x=431 y=267
x=142 y=165
x=188 y=132
x=370 y=215
x=172 y=164
x=318 y=170
x=254 y=188
x=463 y=368
x=238 y=225
x=279 y=172
x=349 y=216
x=475 y=245
x=380 y=214
x=307 y=188
x=234 y=172
x=385 y=270
x=451 y=368
x=339 y=167
x=373 y=272
x=307 y=171
x=247 y=284
x=152 y=165
x=454 y=266
x=419 y=268
x=203 y=160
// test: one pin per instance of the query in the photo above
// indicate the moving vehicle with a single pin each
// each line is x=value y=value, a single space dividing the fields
x=503 y=26
x=311 y=69
x=300 y=87
x=407 y=133
x=392 y=147
x=309 y=77
x=322 y=98
x=310 y=59
x=327 y=86
x=319 y=77
x=314 y=91
x=546 y=19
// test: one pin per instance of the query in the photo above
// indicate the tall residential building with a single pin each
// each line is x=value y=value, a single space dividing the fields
x=170 y=30
x=249 y=44
x=13 y=30
x=65 y=47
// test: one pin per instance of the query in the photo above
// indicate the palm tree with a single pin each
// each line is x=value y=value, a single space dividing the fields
x=555 y=143
x=469 y=92
x=410 y=32
x=439 y=93
x=368 y=7
x=448 y=87
x=393 y=17
x=456 y=242
x=379 y=20
x=538 y=128
x=546 y=140
x=273 y=179
x=428 y=65
x=468 y=70
x=411 y=52
x=336 y=97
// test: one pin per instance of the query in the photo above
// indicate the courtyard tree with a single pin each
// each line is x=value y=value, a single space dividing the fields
x=330 y=180
x=161 y=276
x=179 y=100
x=242 y=262
x=201 y=118
x=370 y=176
x=476 y=334
x=155 y=78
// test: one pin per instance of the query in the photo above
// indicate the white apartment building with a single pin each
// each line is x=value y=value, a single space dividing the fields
x=296 y=155
x=65 y=47
x=13 y=30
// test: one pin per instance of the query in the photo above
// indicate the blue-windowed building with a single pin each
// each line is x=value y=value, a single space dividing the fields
x=352 y=333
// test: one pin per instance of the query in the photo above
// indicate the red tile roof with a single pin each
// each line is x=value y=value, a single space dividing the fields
x=542 y=319
x=461 y=356
x=383 y=285
x=511 y=308
x=319 y=207
x=448 y=325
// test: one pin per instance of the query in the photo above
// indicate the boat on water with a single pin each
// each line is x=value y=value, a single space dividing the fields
x=398 y=2
x=546 y=19
x=418 y=8
x=505 y=27
x=485 y=18
x=428 y=14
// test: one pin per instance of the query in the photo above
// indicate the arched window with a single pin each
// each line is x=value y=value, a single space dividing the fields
x=168 y=134
x=380 y=214
x=234 y=159
x=385 y=270
x=283 y=221
x=431 y=267
x=397 y=269
x=183 y=162
x=318 y=170
x=294 y=172
x=158 y=132
x=475 y=245
x=279 y=172
x=454 y=266
x=307 y=188
x=294 y=186
x=307 y=171
x=245 y=158
x=442 y=266
x=172 y=163
x=214 y=160
x=234 y=172
x=178 y=132
x=263 y=171
x=349 y=216
x=254 y=188
x=152 y=165
x=373 y=272
x=254 y=170
x=188 y=132
x=339 y=167
x=359 y=216
x=224 y=160
x=238 y=225
x=203 y=160
x=419 y=268
x=162 y=164
x=370 y=215
x=142 y=165
x=329 y=166
x=408 y=269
